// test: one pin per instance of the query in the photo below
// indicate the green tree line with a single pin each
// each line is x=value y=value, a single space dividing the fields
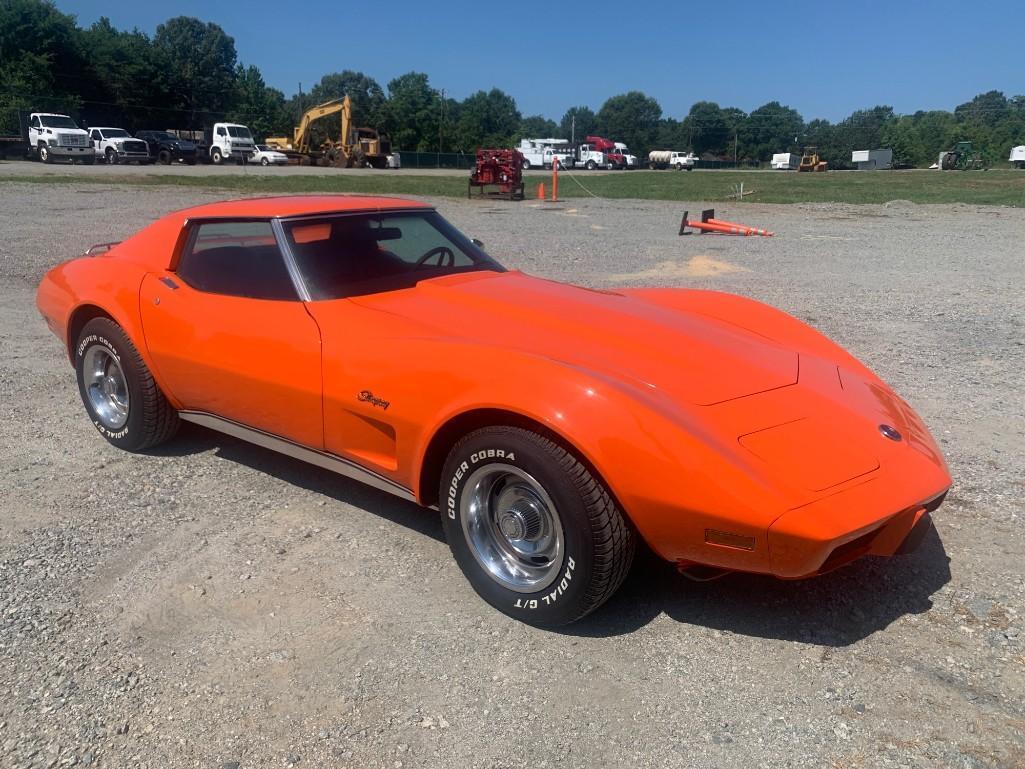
x=188 y=75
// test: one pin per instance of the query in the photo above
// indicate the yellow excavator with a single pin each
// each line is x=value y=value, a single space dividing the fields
x=354 y=147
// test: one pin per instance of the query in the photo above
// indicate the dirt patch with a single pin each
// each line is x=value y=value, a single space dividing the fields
x=700 y=266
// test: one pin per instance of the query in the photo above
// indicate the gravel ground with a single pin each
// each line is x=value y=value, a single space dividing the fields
x=216 y=605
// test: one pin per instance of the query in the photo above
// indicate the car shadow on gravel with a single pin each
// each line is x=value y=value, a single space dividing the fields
x=195 y=440
x=835 y=609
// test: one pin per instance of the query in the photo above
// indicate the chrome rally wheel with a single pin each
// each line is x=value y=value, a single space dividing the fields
x=106 y=387
x=512 y=527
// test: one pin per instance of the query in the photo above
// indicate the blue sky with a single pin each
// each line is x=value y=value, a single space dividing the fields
x=550 y=56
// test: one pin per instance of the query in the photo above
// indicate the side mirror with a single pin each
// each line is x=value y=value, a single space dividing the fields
x=478 y=243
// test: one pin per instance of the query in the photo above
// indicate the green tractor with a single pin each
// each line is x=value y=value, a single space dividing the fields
x=961 y=158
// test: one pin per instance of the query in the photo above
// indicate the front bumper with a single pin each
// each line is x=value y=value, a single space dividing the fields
x=815 y=540
x=70 y=152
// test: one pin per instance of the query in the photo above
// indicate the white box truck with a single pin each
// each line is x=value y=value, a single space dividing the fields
x=1018 y=156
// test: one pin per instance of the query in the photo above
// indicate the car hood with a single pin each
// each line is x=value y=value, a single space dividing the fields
x=689 y=357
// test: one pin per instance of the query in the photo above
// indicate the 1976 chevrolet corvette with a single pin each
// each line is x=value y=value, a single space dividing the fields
x=551 y=425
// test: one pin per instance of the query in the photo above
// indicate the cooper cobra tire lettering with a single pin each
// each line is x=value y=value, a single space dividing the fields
x=475 y=458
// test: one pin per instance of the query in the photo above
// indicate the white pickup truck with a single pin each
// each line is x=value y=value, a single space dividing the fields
x=52 y=137
x=116 y=145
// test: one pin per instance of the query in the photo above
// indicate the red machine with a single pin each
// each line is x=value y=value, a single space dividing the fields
x=500 y=168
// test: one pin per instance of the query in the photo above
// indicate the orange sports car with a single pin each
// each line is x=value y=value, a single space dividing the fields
x=551 y=425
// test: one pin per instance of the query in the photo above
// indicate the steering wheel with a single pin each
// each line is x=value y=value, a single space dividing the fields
x=445 y=257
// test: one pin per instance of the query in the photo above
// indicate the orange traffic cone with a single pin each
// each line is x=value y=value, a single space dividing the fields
x=541 y=191
x=747 y=230
x=709 y=223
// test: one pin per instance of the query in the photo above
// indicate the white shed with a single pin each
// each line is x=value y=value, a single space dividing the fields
x=871 y=160
x=785 y=161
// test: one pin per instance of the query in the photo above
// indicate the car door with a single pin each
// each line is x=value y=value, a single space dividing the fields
x=97 y=140
x=229 y=336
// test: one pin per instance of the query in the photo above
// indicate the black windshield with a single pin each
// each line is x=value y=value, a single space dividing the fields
x=352 y=255
x=57 y=121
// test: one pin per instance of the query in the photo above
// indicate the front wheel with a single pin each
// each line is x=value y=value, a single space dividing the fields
x=264 y=162
x=111 y=157
x=123 y=401
x=217 y=156
x=591 y=165
x=44 y=154
x=535 y=533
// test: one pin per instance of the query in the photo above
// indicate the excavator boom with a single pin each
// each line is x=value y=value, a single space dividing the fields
x=354 y=146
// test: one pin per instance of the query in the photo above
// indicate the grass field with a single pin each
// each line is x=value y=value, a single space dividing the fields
x=979 y=187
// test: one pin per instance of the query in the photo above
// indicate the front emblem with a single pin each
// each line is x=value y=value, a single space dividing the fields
x=368 y=397
x=890 y=432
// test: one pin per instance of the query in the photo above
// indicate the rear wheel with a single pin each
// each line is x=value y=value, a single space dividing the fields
x=123 y=401
x=535 y=533
x=526 y=164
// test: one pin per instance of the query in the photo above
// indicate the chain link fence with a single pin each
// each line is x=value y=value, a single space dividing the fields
x=437 y=159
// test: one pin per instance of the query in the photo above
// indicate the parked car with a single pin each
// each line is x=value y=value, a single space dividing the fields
x=551 y=425
x=268 y=156
x=166 y=148
x=116 y=145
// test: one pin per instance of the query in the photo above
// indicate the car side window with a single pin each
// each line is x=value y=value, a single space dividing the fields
x=35 y=122
x=236 y=259
x=95 y=135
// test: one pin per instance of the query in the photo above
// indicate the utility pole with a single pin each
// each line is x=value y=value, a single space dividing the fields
x=441 y=123
x=573 y=130
x=734 y=147
x=300 y=101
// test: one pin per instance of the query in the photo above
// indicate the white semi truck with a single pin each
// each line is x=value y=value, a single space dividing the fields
x=52 y=136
